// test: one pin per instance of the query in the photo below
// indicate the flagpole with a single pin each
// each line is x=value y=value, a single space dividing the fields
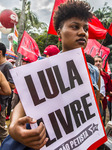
x=21 y=30
x=101 y=46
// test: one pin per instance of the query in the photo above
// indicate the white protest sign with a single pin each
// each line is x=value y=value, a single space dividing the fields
x=57 y=91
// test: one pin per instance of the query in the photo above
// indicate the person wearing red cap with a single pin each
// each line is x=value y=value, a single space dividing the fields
x=51 y=50
x=26 y=60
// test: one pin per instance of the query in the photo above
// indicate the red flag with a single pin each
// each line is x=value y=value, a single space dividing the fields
x=51 y=29
x=96 y=22
x=110 y=29
x=107 y=68
x=96 y=29
x=28 y=47
x=96 y=32
x=95 y=48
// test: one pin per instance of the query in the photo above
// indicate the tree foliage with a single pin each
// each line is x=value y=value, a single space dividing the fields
x=105 y=16
x=32 y=24
x=44 y=40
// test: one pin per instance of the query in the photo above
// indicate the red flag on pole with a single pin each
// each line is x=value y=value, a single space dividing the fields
x=110 y=29
x=96 y=22
x=93 y=48
x=96 y=32
x=28 y=47
x=51 y=29
x=96 y=29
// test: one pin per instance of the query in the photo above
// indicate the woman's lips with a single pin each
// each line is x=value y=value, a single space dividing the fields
x=81 y=41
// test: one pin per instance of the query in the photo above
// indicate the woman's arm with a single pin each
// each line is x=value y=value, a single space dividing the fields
x=34 y=138
x=4 y=86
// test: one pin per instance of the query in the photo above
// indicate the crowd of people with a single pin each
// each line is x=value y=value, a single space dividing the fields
x=71 y=24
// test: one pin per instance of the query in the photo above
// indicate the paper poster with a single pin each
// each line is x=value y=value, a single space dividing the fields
x=58 y=91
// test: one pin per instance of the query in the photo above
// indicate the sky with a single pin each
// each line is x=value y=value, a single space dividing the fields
x=43 y=8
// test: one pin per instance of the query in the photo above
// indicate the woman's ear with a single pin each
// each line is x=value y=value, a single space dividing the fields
x=0 y=52
x=59 y=33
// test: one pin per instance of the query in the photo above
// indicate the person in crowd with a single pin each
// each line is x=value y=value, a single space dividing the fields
x=71 y=24
x=97 y=81
x=4 y=90
x=94 y=72
x=15 y=99
x=8 y=110
x=107 y=81
x=109 y=101
x=5 y=66
x=51 y=50
x=26 y=60
x=12 y=61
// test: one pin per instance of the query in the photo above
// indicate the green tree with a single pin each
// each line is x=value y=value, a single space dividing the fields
x=43 y=40
x=31 y=23
x=104 y=15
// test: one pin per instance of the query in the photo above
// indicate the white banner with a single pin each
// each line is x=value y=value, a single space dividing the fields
x=57 y=91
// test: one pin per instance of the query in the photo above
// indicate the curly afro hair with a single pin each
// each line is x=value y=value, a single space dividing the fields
x=77 y=8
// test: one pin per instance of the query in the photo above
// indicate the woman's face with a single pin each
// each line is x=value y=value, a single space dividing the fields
x=73 y=34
